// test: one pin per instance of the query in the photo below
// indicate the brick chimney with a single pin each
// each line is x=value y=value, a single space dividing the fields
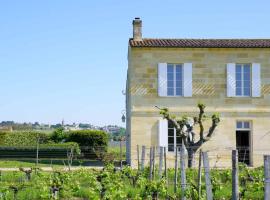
x=137 y=29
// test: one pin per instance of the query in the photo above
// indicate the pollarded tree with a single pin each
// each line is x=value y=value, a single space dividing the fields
x=185 y=129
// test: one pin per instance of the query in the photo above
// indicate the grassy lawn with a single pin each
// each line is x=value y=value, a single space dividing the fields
x=47 y=163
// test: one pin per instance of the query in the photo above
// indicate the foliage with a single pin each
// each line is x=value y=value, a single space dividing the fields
x=51 y=150
x=93 y=138
x=24 y=138
x=58 y=135
x=112 y=183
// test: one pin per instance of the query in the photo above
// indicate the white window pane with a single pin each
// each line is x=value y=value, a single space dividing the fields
x=178 y=84
x=247 y=68
x=170 y=91
x=238 y=84
x=238 y=68
x=170 y=140
x=170 y=76
x=247 y=91
x=170 y=68
x=178 y=76
x=246 y=76
x=170 y=132
x=170 y=84
x=246 y=125
x=178 y=69
x=238 y=91
x=170 y=147
x=239 y=125
x=238 y=76
x=178 y=91
x=247 y=84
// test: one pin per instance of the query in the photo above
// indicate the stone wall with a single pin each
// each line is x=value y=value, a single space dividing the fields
x=209 y=87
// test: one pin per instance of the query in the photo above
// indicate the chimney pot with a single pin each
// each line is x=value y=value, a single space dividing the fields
x=137 y=29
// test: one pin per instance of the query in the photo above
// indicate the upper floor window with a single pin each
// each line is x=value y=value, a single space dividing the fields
x=243 y=79
x=174 y=80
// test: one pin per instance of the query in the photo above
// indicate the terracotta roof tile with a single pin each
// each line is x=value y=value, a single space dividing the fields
x=202 y=43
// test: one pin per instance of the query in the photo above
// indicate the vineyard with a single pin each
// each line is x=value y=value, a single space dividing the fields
x=126 y=183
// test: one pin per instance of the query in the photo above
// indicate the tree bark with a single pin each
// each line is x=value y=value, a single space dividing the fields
x=191 y=154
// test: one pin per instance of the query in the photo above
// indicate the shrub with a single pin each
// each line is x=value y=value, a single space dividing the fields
x=58 y=135
x=92 y=142
x=2 y=137
x=92 y=138
x=51 y=150
x=24 y=138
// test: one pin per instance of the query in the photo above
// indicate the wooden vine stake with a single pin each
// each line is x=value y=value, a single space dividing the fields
x=175 y=169
x=209 y=194
x=143 y=158
x=151 y=163
x=183 y=173
x=235 y=184
x=165 y=162
x=160 y=162
x=266 y=177
x=138 y=157
x=200 y=175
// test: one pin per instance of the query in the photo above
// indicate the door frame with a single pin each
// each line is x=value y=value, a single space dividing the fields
x=250 y=130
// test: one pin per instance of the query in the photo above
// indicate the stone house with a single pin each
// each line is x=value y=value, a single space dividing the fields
x=231 y=76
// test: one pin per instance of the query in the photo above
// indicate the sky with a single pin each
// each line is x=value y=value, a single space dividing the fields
x=67 y=59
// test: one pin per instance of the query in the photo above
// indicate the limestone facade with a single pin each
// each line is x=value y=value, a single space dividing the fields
x=209 y=83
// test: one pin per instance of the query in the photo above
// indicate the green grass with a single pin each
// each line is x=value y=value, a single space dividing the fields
x=46 y=163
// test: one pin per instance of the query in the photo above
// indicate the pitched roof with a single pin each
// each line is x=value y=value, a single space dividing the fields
x=202 y=43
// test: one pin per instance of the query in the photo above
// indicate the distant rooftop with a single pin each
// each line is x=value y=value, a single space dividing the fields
x=201 y=43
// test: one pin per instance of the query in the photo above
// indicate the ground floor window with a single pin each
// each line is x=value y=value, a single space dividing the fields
x=243 y=141
x=173 y=139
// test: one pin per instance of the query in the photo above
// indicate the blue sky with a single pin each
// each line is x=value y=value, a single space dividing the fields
x=68 y=59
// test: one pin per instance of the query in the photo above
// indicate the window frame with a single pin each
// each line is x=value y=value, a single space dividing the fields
x=243 y=80
x=174 y=80
x=243 y=125
x=174 y=139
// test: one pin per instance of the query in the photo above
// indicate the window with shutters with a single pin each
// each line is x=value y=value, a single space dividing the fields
x=243 y=79
x=174 y=80
x=173 y=140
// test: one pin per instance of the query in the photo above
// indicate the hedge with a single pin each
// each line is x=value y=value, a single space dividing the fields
x=92 y=138
x=51 y=150
x=23 y=138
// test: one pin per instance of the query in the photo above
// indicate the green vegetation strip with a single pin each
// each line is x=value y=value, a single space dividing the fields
x=113 y=183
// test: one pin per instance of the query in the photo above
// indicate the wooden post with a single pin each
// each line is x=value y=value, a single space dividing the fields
x=175 y=169
x=235 y=185
x=121 y=162
x=208 y=184
x=200 y=175
x=151 y=165
x=165 y=162
x=138 y=156
x=160 y=162
x=37 y=151
x=154 y=160
x=143 y=158
x=183 y=173
x=266 y=177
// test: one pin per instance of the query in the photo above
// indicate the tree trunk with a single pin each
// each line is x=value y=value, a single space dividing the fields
x=191 y=154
